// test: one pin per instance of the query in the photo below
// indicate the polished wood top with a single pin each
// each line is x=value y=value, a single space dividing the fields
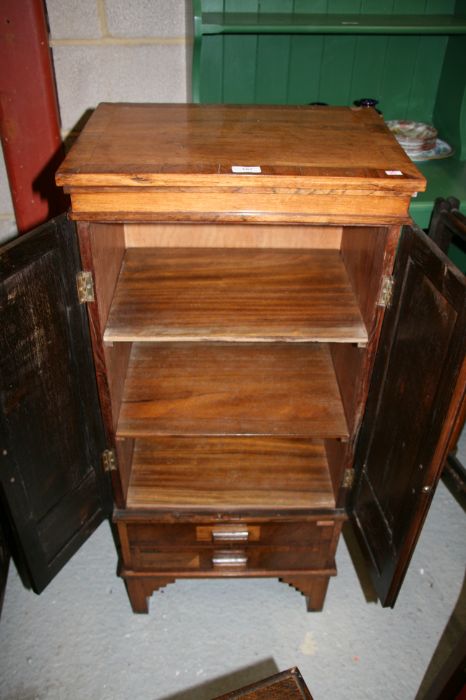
x=147 y=145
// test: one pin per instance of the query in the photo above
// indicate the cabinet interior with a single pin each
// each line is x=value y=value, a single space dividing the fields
x=237 y=352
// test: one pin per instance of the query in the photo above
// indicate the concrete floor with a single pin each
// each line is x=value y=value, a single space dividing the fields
x=80 y=640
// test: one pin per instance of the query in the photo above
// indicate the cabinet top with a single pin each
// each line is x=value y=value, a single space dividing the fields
x=142 y=146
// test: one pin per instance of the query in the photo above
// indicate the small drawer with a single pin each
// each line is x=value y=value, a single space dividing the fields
x=298 y=533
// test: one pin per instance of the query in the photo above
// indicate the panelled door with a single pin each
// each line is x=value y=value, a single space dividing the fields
x=417 y=389
x=53 y=489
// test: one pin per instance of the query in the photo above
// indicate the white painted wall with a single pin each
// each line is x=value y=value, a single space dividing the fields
x=112 y=51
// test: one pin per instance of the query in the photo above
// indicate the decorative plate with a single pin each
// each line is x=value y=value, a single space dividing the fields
x=442 y=149
x=412 y=134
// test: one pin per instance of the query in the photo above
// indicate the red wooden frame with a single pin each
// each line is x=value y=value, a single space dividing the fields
x=29 y=119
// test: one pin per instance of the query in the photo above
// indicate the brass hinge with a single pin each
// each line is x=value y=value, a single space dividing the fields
x=85 y=286
x=348 y=478
x=386 y=292
x=109 y=460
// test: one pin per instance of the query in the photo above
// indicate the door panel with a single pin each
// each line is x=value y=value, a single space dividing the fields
x=51 y=432
x=416 y=392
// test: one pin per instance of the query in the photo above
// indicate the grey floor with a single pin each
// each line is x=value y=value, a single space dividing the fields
x=79 y=639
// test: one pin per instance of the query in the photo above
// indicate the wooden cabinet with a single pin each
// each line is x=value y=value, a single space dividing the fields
x=263 y=365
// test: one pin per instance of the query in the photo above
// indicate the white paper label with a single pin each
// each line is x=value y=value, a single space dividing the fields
x=393 y=172
x=246 y=169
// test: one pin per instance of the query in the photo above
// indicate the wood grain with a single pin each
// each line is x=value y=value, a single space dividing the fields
x=229 y=473
x=148 y=145
x=175 y=163
x=242 y=205
x=234 y=295
x=283 y=389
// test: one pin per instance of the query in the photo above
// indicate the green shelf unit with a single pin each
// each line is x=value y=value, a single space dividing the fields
x=308 y=23
x=408 y=54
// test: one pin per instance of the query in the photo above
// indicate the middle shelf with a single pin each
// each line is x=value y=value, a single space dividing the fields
x=190 y=388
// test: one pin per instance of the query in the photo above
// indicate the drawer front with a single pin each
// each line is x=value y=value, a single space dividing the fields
x=291 y=533
x=249 y=559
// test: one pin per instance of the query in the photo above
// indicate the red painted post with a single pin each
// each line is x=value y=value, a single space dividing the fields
x=29 y=120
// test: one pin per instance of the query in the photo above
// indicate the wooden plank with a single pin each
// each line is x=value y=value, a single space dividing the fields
x=234 y=295
x=282 y=389
x=229 y=473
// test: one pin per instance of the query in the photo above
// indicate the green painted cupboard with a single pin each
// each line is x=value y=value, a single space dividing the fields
x=408 y=54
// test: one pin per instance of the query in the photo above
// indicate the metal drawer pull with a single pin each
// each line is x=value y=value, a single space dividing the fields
x=229 y=559
x=236 y=535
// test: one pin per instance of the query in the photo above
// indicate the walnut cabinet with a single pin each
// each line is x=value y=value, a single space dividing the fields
x=233 y=342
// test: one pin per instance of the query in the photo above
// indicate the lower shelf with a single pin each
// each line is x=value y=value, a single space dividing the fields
x=229 y=473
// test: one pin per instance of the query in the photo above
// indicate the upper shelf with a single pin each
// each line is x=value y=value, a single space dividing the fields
x=287 y=23
x=192 y=294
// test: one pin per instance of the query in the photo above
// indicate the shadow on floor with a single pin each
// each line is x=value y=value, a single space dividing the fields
x=225 y=684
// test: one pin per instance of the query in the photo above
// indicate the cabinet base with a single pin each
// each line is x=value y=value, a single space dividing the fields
x=312 y=584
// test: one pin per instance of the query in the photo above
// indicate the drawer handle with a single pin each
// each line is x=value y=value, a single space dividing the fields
x=227 y=535
x=229 y=559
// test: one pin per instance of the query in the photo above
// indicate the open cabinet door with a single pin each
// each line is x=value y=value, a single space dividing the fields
x=416 y=392
x=53 y=489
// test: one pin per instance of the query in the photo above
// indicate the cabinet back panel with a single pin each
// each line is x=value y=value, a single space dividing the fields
x=231 y=236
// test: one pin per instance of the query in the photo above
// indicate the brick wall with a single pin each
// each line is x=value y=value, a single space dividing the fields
x=112 y=51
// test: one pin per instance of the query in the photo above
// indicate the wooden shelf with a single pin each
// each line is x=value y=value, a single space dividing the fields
x=234 y=295
x=283 y=389
x=229 y=473
x=307 y=23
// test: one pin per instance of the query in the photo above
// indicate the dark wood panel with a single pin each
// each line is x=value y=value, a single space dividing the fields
x=234 y=295
x=228 y=473
x=282 y=389
x=52 y=433
x=416 y=393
